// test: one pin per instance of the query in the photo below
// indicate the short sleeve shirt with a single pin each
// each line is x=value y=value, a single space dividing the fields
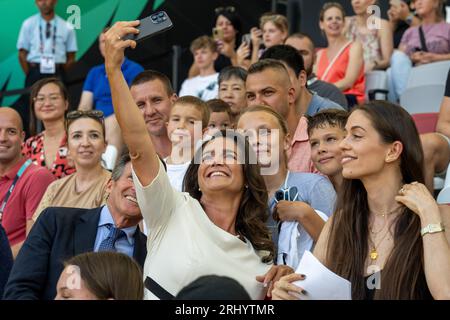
x=437 y=38
x=33 y=149
x=97 y=83
x=24 y=198
x=33 y=31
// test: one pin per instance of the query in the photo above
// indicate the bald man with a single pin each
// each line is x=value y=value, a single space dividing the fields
x=22 y=184
x=268 y=84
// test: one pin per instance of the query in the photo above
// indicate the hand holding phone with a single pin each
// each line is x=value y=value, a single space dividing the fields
x=217 y=34
x=150 y=26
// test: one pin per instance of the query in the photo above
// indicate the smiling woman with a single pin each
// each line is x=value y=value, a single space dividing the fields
x=86 y=188
x=387 y=234
x=49 y=103
x=218 y=229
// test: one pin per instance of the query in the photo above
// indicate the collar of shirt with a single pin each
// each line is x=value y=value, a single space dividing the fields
x=106 y=218
x=40 y=136
x=11 y=174
x=301 y=133
x=42 y=20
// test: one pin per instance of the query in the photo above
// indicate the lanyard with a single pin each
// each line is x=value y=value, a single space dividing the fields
x=10 y=190
x=41 y=46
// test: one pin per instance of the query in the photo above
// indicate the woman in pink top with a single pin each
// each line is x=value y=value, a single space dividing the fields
x=341 y=63
x=436 y=33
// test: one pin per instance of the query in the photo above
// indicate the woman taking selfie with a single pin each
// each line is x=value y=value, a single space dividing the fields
x=217 y=227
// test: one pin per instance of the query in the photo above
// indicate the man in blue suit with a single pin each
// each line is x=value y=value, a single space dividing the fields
x=6 y=259
x=61 y=233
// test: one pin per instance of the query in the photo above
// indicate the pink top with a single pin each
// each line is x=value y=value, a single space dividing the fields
x=300 y=153
x=24 y=198
x=338 y=70
x=437 y=38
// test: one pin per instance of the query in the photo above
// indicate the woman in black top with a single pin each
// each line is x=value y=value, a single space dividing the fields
x=387 y=236
x=228 y=21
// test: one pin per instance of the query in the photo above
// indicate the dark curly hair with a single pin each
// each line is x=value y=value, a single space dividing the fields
x=253 y=209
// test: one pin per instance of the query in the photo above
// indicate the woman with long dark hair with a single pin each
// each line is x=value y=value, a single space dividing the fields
x=387 y=232
x=217 y=227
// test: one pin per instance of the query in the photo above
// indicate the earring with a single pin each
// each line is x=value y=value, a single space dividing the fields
x=199 y=189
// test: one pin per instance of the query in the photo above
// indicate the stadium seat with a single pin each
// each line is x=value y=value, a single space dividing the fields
x=425 y=122
x=376 y=85
x=425 y=88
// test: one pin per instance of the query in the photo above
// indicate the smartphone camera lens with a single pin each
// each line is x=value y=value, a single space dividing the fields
x=161 y=14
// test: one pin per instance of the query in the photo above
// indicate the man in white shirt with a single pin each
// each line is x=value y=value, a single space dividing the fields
x=46 y=44
x=204 y=86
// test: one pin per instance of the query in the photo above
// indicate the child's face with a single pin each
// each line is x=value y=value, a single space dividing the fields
x=204 y=58
x=218 y=121
x=325 y=152
x=180 y=127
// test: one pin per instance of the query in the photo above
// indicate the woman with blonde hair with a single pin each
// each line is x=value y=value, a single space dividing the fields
x=341 y=63
x=273 y=30
x=429 y=42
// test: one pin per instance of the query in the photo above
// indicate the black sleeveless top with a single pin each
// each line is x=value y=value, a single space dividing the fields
x=423 y=293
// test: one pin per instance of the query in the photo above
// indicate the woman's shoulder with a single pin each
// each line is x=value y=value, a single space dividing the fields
x=306 y=177
x=38 y=137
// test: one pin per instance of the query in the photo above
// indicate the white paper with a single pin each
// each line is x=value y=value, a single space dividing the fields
x=320 y=282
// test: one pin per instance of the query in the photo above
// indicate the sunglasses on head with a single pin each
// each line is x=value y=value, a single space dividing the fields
x=229 y=9
x=77 y=114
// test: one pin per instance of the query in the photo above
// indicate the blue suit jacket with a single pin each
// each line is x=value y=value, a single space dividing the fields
x=6 y=259
x=58 y=234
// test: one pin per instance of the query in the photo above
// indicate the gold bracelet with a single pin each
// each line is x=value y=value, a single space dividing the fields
x=432 y=228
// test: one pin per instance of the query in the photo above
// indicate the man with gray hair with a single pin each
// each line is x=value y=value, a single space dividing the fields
x=61 y=233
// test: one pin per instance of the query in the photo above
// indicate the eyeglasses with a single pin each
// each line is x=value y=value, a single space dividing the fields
x=229 y=9
x=53 y=99
x=94 y=114
x=288 y=194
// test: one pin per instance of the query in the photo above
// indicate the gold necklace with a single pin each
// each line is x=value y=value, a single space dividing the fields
x=384 y=215
x=373 y=254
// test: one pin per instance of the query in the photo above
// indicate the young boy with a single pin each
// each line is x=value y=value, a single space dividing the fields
x=188 y=120
x=205 y=85
x=326 y=129
x=220 y=117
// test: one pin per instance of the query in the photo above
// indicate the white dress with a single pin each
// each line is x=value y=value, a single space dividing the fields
x=184 y=244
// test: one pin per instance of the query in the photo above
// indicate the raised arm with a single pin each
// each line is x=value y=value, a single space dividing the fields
x=144 y=158
x=387 y=45
x=436 y=250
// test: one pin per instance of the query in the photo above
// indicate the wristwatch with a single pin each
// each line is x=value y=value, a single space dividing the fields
x=432 y=228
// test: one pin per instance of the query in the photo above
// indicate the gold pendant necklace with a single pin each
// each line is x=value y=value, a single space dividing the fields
x=373 y=254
